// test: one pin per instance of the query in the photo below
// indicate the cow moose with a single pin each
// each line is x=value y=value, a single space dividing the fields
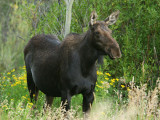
x=63 y=69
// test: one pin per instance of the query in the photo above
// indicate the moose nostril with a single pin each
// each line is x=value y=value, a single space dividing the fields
x=116 y=53
x=119 y=55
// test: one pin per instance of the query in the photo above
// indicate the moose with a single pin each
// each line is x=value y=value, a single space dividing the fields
x=63 y=69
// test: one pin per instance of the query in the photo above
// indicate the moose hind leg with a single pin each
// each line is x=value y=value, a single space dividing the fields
x=36 y=94
x=33 y=90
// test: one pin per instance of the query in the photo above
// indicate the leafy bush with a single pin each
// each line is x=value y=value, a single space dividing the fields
x=136 y=31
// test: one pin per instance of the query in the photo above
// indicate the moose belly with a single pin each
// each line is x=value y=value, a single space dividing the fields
x=48 y=85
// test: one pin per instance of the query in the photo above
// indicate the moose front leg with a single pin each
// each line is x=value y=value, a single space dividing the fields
x=87 y=103
x=66 y=100
x=49 y=100
x=48 y=103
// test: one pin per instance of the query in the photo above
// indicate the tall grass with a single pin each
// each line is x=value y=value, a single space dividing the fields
x=140 y=104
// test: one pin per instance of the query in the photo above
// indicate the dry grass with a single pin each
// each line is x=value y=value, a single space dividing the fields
x=141 y=105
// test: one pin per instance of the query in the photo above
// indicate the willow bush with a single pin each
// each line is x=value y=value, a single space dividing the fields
x=136 y=31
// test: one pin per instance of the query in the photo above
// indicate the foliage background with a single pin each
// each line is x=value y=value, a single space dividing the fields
x=137 y=32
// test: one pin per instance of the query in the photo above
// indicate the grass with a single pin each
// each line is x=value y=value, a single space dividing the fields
x=111 y=101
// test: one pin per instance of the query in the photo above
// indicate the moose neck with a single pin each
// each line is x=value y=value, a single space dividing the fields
x=88 y=54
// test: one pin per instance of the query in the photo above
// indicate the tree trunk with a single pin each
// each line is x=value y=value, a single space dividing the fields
x=68 y=16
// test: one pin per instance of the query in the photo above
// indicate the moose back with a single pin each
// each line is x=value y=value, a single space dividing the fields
x=63 y=69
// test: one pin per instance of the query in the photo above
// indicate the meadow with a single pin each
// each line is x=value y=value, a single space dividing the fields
x=113 y=100
x=127 y=88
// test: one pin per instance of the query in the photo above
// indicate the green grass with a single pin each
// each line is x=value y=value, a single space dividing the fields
x=15 y=102
x=14 y=92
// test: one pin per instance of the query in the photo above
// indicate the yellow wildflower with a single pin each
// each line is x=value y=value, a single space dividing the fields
x=117 y=79
x=25 y=87
x=106 y=78
x=20 y=78
x=99 y=86
x=13 y=70
x=102 y=82
x=8 y=73
x=111 y=83
x=113 y=80
x=108 y=74
x=24 y=67
x=23 y=97
x=5 y=106
x=128 y=89
x=30 y=105
x=122 y=86
x=28 y=99
x=15 y=6
x=25 y=81
x=99 y=73
x=13 y=76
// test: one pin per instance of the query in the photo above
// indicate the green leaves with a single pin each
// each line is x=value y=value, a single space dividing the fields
x=136 y=31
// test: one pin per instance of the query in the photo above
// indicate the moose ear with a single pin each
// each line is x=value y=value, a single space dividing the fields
x=112 y=18
x=93 y=17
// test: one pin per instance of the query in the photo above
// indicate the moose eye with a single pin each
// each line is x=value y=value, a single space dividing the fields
x=96 y=33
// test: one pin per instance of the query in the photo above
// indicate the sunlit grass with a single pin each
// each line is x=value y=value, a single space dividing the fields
x=109 y=103
x=13 y=85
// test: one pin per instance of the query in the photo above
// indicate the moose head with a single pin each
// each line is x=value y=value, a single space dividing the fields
x=102 y=35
